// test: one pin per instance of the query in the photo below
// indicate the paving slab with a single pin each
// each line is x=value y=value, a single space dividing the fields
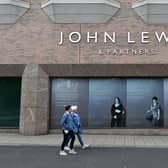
x=15 y=139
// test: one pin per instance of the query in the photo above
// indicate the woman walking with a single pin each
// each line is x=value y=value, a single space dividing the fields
x=78 y=126
x=68 y=131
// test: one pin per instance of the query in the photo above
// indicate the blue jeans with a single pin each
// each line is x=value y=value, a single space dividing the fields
x=155 y=122
x=79 y=139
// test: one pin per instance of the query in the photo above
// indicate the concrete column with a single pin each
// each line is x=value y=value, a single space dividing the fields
x=34 y=115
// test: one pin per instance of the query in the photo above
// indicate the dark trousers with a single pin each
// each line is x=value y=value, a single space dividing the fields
x=155 y=122
x=79 y=136
x=116 y=122
x=66 y=138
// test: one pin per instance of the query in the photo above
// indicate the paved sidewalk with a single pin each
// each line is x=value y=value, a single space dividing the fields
x=14 y=139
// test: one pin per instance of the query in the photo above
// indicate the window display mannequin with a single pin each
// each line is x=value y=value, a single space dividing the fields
x=154 y=113
x=117 y=113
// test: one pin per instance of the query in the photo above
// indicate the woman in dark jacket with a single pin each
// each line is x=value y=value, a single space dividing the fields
x=117 y=113
x=68 y=131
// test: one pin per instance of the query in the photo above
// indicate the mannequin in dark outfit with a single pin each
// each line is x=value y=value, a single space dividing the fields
x=117 y=113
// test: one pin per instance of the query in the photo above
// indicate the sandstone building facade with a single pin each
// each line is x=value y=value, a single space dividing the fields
x=38 y=72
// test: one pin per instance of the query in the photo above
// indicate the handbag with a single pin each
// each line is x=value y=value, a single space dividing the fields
x=149 y=115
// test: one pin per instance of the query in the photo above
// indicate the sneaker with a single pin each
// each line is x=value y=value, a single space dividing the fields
x=67 y=148
x=63 y=153
x=85 y=146
x=72 y=151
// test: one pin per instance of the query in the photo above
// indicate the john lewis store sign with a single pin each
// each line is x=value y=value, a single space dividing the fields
x=144 y=38
x=76 y=37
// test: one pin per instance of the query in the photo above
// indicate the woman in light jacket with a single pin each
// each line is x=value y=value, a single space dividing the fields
x=78 y=126
x=155 y=112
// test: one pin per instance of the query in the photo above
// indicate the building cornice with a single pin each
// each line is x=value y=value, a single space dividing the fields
x=11 y=10
x=80 y=11
x=19 y=3
x=152 y=11
x=144 y=2
x=109 y=2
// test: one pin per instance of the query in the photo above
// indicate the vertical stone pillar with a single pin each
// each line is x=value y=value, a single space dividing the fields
x=34 y=115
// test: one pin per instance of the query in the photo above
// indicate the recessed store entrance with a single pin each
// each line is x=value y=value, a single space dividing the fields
x=95 y=97
x=10 y=92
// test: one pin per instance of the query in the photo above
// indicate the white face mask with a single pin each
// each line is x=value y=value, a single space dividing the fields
x=116 y=105
x=154 y=103
x=117 y=101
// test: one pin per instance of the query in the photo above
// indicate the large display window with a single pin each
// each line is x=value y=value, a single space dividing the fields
x=112 y=102
x=102 y=94
x=140 y=102
x=65 y=92
x=10 y=93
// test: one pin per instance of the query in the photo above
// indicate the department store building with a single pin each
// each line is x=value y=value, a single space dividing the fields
x=85 y=53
